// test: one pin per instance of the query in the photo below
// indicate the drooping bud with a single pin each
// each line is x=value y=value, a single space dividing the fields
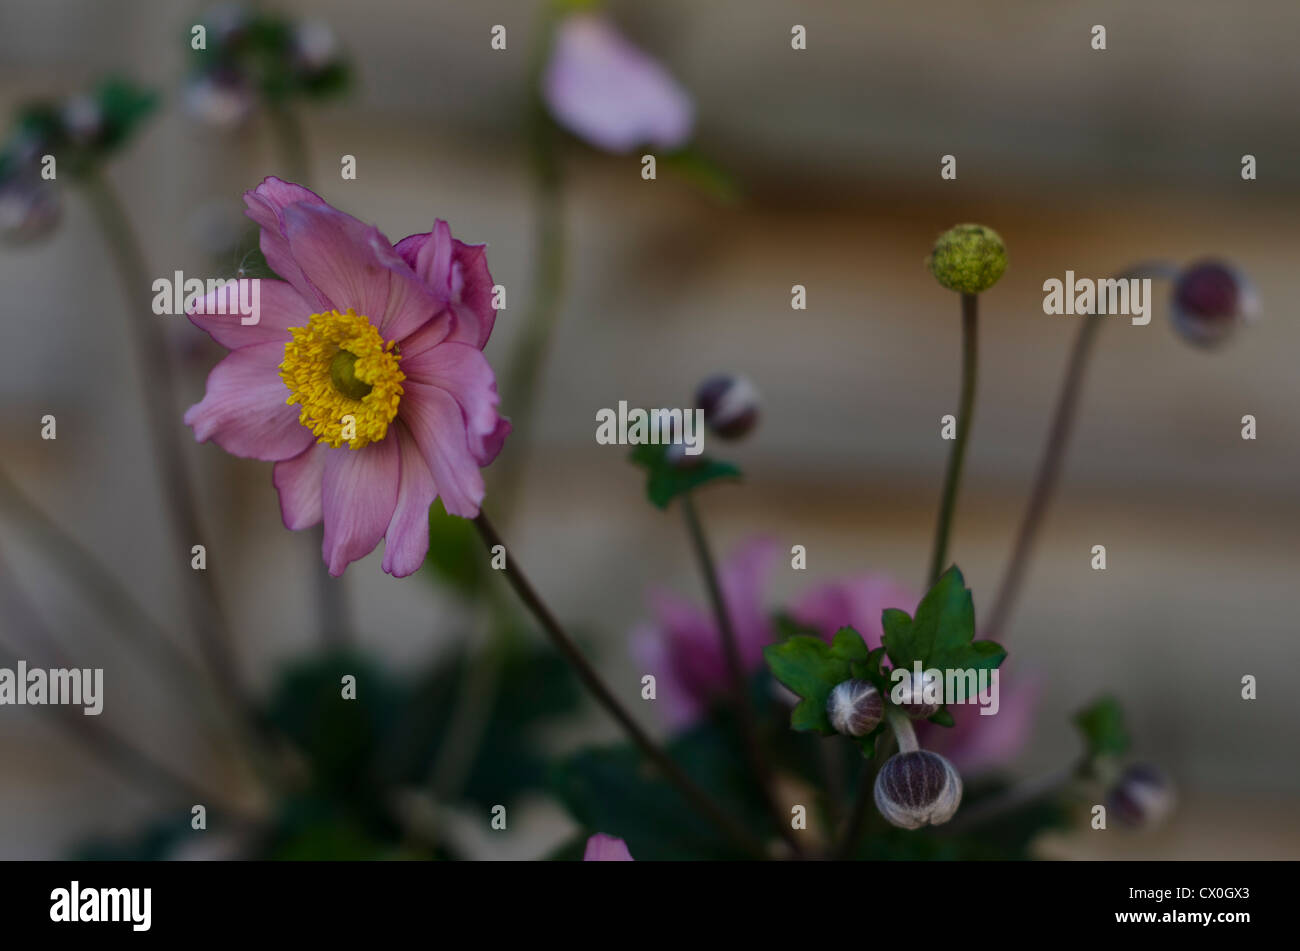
x=315 y=46
x=917 y=788
x=1211 y=299
x=220 y=97
x=1143 y=796
x=30 y=208
x=730 y=405
x=916 y=694
x=855 y=707
x=82 y=120
x=968 y=258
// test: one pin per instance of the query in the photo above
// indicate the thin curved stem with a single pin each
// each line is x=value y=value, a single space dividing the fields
x=697 y=797
x=956 y=458
x=1049 y=467
x=746 y=717
x=1045 y=482
x=155 y=365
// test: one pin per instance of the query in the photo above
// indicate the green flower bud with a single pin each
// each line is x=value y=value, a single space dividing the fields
x=968 y=258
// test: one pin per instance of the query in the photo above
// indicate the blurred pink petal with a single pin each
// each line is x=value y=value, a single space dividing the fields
x=683 y=647
x=606 y=848
x=980 y=743
x=604 y=90
x=856 y=602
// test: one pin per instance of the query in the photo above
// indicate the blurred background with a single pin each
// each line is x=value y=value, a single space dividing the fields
x=1083 y=160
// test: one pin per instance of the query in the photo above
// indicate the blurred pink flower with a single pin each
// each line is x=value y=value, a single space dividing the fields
x=604 y=90
x=976 y=742
x=682 y=647
x=380 y=348
x=856 y=602
x=606 y=848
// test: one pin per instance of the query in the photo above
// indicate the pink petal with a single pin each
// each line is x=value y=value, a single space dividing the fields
x=407 y=539
x=857 y=602
x=462 y=371
x=744 y=580
x=457 y=274
x=265 y=205
x=279 y=308
x=359 y=493
x=299 y=483
x=429 y=334
x=605 y=90
x=244 y=409
x=678 y=706
x=438 y=424
x=979 y=743
x=606 y=848
x=353 y=265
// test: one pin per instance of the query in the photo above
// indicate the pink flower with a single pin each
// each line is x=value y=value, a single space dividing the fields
x=363 y=379
x=976 y=742
x=606 y=848
x=854 y=602
x=604 y=90
x=683 y=647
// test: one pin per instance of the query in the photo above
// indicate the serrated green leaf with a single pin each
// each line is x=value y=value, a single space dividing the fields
x=1103 y=728
x=808 y=667
x=941 y=635
x=665 y=480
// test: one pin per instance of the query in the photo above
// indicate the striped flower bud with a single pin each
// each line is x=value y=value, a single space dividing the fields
x=911 y=692
x=1143 y=796
x=730 y=405
x=917 y=789
x=855 y=707
x=1211 y=300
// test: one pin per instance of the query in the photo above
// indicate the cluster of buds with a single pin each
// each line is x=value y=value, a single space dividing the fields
x=55 y=139
x=914 y=787
x=245 y=56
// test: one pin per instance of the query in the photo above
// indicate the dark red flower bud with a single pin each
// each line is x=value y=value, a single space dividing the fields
x=1211 y=299
x=730 y=405
x=917 y=788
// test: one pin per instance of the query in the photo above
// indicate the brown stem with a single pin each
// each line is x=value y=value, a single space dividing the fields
x=698 y=798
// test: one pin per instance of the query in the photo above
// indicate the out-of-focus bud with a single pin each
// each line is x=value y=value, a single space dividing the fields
x=968 y=258
x=83 y=120
x=911 y=691
x=221 y=98
x=677 y=457
x=855 y=707
x=917 y=789
x=730 y=405
x=30 y=208
x=1211 y=299
x=315 y=47
x=227 y=24
x=1142 y=797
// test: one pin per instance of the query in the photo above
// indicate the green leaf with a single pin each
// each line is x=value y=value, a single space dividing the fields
x=1103 y=728
x=811 y=668
x=666 y=480
x=456 y=553
x=124 y=105
x=703 y=173
x=943 y=718
x=941 y=636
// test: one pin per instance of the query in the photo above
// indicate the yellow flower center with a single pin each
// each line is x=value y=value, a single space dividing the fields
x=345 y=378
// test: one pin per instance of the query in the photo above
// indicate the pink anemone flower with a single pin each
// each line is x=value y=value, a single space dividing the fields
x=606 y=91
x=606 y=848
x=682 y=647
x=362 y=376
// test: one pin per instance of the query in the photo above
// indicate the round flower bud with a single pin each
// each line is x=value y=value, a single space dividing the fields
x=910 y=694
x=315 y=46
x=916 y=789
x=82 y=119
x=677 y=457
x=855 y=707
x=730 y=405
x=30 y=208
x=221 y=98
x=1143 y=796
x=968 y=258
x=1210 y=300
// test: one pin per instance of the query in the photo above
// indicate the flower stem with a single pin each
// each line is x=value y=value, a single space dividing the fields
x=154 y=365
x=865 y=797
x=1049 y=467
x=746 y=718
x=952 y=478
x=698 y=798
x=1008 y=801
x=290 y=142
